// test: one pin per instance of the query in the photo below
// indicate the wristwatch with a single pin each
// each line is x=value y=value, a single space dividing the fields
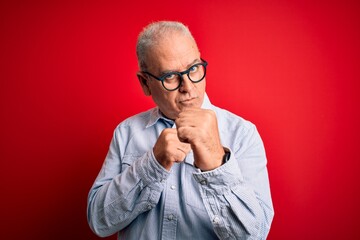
x=226 y=156
x=225 y=159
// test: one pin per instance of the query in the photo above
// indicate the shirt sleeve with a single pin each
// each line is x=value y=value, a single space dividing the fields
x=122 y=192
x=237 y=194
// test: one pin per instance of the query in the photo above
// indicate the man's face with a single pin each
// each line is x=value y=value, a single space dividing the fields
x=174 y=53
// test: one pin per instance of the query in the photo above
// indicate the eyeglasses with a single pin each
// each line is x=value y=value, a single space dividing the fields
x=172 y=80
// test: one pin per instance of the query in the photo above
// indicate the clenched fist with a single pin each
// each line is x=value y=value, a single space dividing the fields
x=199 y=128
x=169 y=149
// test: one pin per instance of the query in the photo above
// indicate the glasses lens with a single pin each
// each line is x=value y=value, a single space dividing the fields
x=196 y=73
x=172 y=81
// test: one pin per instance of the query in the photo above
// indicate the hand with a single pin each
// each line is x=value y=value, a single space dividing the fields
x=199 y=128
x=168 y=148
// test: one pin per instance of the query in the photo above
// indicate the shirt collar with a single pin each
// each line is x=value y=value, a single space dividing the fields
x=206 y=103
x=156 y=114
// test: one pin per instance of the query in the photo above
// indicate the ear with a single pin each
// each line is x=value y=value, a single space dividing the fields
x=144 y=83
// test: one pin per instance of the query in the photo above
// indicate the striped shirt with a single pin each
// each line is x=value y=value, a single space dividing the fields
x=137 y=198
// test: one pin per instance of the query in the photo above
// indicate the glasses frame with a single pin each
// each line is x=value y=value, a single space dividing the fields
x=187 y=72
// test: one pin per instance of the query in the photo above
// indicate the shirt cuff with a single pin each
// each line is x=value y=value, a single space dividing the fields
x=221 y=179
x=150 y=170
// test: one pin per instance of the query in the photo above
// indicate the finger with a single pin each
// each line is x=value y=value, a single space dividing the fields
x=179 y=155
x=186 y=134
x=169 y=131
x=189 y=117
x=184 y=147
x=186 y=122
x=168 y=135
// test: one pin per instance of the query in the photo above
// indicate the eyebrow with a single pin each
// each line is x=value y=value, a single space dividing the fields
x=187 y=67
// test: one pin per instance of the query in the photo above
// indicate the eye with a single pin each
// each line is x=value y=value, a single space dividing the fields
x=169 y=76
x=194 y=68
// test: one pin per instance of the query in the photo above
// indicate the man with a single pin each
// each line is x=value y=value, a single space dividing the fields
x=185 y=169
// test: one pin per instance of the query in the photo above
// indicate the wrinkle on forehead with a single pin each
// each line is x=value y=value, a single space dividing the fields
x=174 y=52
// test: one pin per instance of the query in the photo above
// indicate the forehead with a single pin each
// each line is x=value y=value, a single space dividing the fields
x=175 y=51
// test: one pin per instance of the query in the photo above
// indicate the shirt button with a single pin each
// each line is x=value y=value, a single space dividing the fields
x=203 y=182
x=172 y=187
x=216 y=219
x=171 y=217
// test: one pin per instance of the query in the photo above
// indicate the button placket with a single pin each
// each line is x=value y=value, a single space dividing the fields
x=216 y=219
x=171 y=217
x=203 y=182
x=171 y=205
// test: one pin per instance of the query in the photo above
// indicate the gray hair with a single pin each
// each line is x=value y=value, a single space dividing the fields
x=153 y=33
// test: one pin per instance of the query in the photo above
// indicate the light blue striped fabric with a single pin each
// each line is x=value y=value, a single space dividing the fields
x=137 y=198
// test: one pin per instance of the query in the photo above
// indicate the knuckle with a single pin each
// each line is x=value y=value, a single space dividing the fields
x=165 y=131
x=177 y=121
x=168 y=139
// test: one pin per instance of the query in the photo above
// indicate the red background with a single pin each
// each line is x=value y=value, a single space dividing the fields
x=67 y=78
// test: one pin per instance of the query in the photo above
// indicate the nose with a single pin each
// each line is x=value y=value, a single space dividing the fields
x=186 y=85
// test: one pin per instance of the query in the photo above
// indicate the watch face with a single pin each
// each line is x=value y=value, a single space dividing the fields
x=226 y=157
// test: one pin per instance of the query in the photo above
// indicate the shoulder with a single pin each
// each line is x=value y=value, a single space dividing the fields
x=135 y=122
x=236 y=132
x=227 y=120
x=231 y=121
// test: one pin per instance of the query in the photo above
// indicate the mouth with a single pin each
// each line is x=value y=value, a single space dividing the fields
x=187 y=101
